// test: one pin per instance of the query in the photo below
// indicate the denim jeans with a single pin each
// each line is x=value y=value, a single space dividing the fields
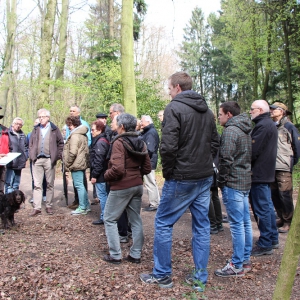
x=78 y=182
x=102 y=196
x=262 y=206
x=237 y=207
x=117 y=201
x=12 y=180
x=176 y=197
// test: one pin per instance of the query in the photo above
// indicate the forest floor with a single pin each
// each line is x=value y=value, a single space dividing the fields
x=60 y=257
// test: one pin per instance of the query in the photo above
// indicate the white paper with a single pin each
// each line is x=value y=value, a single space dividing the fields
x=8 y=158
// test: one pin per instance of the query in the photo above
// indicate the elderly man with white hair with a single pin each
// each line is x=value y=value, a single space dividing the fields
x=17 y=143
x=264 y=151
x=150 y=136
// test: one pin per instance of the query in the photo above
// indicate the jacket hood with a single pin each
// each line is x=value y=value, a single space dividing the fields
x=192 y=99
x=132 y=143
x=242 y=121
x=79 y=130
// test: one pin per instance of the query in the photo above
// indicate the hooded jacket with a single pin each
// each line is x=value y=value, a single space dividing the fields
x=76 y=150
x=235 y=154
x=190 y=139
x=150 y=136
x=18 y=143
x=264 y=149
x=128 y=163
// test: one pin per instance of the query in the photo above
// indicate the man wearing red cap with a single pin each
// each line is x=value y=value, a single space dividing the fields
x=288 y=152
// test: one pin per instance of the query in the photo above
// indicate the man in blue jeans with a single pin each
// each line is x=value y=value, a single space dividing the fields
x=189 y=143
x=264 y=152
x=235 y=182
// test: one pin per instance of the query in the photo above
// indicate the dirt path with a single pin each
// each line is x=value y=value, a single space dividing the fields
x=59 y=257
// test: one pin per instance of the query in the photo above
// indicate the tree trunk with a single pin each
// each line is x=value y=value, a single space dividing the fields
x=290 y=258
x=111 y=18
x=62 y=49
x=127 y=62
x=9 y=53
x=46 y=47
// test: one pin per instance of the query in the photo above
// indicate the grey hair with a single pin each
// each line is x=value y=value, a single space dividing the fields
x=78 y=109
x=128 y=121
x=263 y=104
x=18 y=119
x=47 y=112
x=118 y=108
x=147 y=118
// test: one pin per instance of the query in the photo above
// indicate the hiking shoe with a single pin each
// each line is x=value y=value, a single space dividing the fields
x=214 y=230
x=284 y=229
x=275 y=244
x=73 y=205
x=124 y=239
x=230 y=271
x=79 y=211
x=220 y=227
x=247 y=266
x=225 y=220
x=195 y=283
x=164 y=282
x=259 y=251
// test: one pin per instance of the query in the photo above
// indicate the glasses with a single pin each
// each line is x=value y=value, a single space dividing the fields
x=19 y=124
x=43 y=117
x=252 y=108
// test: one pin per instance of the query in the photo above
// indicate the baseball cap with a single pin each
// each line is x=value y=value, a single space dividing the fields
x=282 y=106
x=101 y=115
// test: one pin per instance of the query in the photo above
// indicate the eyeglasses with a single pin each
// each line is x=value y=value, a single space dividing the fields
x=19 y=124
x=43 y=117
x=252 y=108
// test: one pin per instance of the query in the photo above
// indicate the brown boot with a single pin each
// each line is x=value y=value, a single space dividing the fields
x=279 y=223
x=284 y=229
x=74 y=205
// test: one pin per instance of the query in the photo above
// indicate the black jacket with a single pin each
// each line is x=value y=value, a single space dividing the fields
x=98 y=153
x=190 y=139
x=18 y=143
x=150 y=136
x=264 y=149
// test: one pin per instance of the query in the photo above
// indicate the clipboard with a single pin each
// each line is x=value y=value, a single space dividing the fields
x=8 y=158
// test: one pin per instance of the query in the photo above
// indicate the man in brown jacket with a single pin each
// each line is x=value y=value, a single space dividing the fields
x=45 y=149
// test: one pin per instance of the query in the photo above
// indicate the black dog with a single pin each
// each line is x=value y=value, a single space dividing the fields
x=9 y=204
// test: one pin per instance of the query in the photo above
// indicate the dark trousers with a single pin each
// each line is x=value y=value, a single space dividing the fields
x=2 y=179
x=215 y=210
x=282 y=196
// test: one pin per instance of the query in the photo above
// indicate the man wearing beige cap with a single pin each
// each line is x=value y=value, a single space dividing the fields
x=288 y=152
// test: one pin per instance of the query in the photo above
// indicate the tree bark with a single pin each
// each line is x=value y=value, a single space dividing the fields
x=46 y=47
x=127 y=62
x=290 y=258
x=111 y=18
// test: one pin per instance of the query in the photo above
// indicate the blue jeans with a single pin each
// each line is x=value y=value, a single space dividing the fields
x=176 y=197
x=102 y=195
x=12 y=180
x=78 y=182
x=263 y=208
x=237 y=207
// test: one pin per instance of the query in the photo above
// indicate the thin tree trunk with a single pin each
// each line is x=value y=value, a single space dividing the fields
x=111 y=18
x=127 y=62
x=290 y=258
x=46 y=47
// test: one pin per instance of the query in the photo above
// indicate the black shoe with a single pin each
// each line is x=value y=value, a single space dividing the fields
x=275 y=244
x=259 y=251
x=132 y=259
x=220 y=227
x=98 y=222
x=150 y=208
x=214 y=230
x=111 y=260
x=225 y=220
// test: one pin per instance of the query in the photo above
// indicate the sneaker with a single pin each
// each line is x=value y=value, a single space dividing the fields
x=164 y=282
x=214 y=230
x=259 y=251
x=123 y=239
x=79 y=211
x=225 y=220
x=195 y=283
x=44 y=198
x=150 y=208
x=220 y=227
x=247 y=266
x=230 y=271
x=31 y=200
x=88 y=209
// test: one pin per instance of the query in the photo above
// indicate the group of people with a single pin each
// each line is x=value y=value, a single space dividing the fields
x=250 y=164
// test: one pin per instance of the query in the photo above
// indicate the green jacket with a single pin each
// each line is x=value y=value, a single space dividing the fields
x=76 y=150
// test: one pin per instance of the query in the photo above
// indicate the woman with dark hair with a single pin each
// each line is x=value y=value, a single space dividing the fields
x=98 y=164
x=75 y=158
x=128 y=163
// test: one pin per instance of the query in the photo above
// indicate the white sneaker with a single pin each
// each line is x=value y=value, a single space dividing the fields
x=44 y=198
x=31 y=200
